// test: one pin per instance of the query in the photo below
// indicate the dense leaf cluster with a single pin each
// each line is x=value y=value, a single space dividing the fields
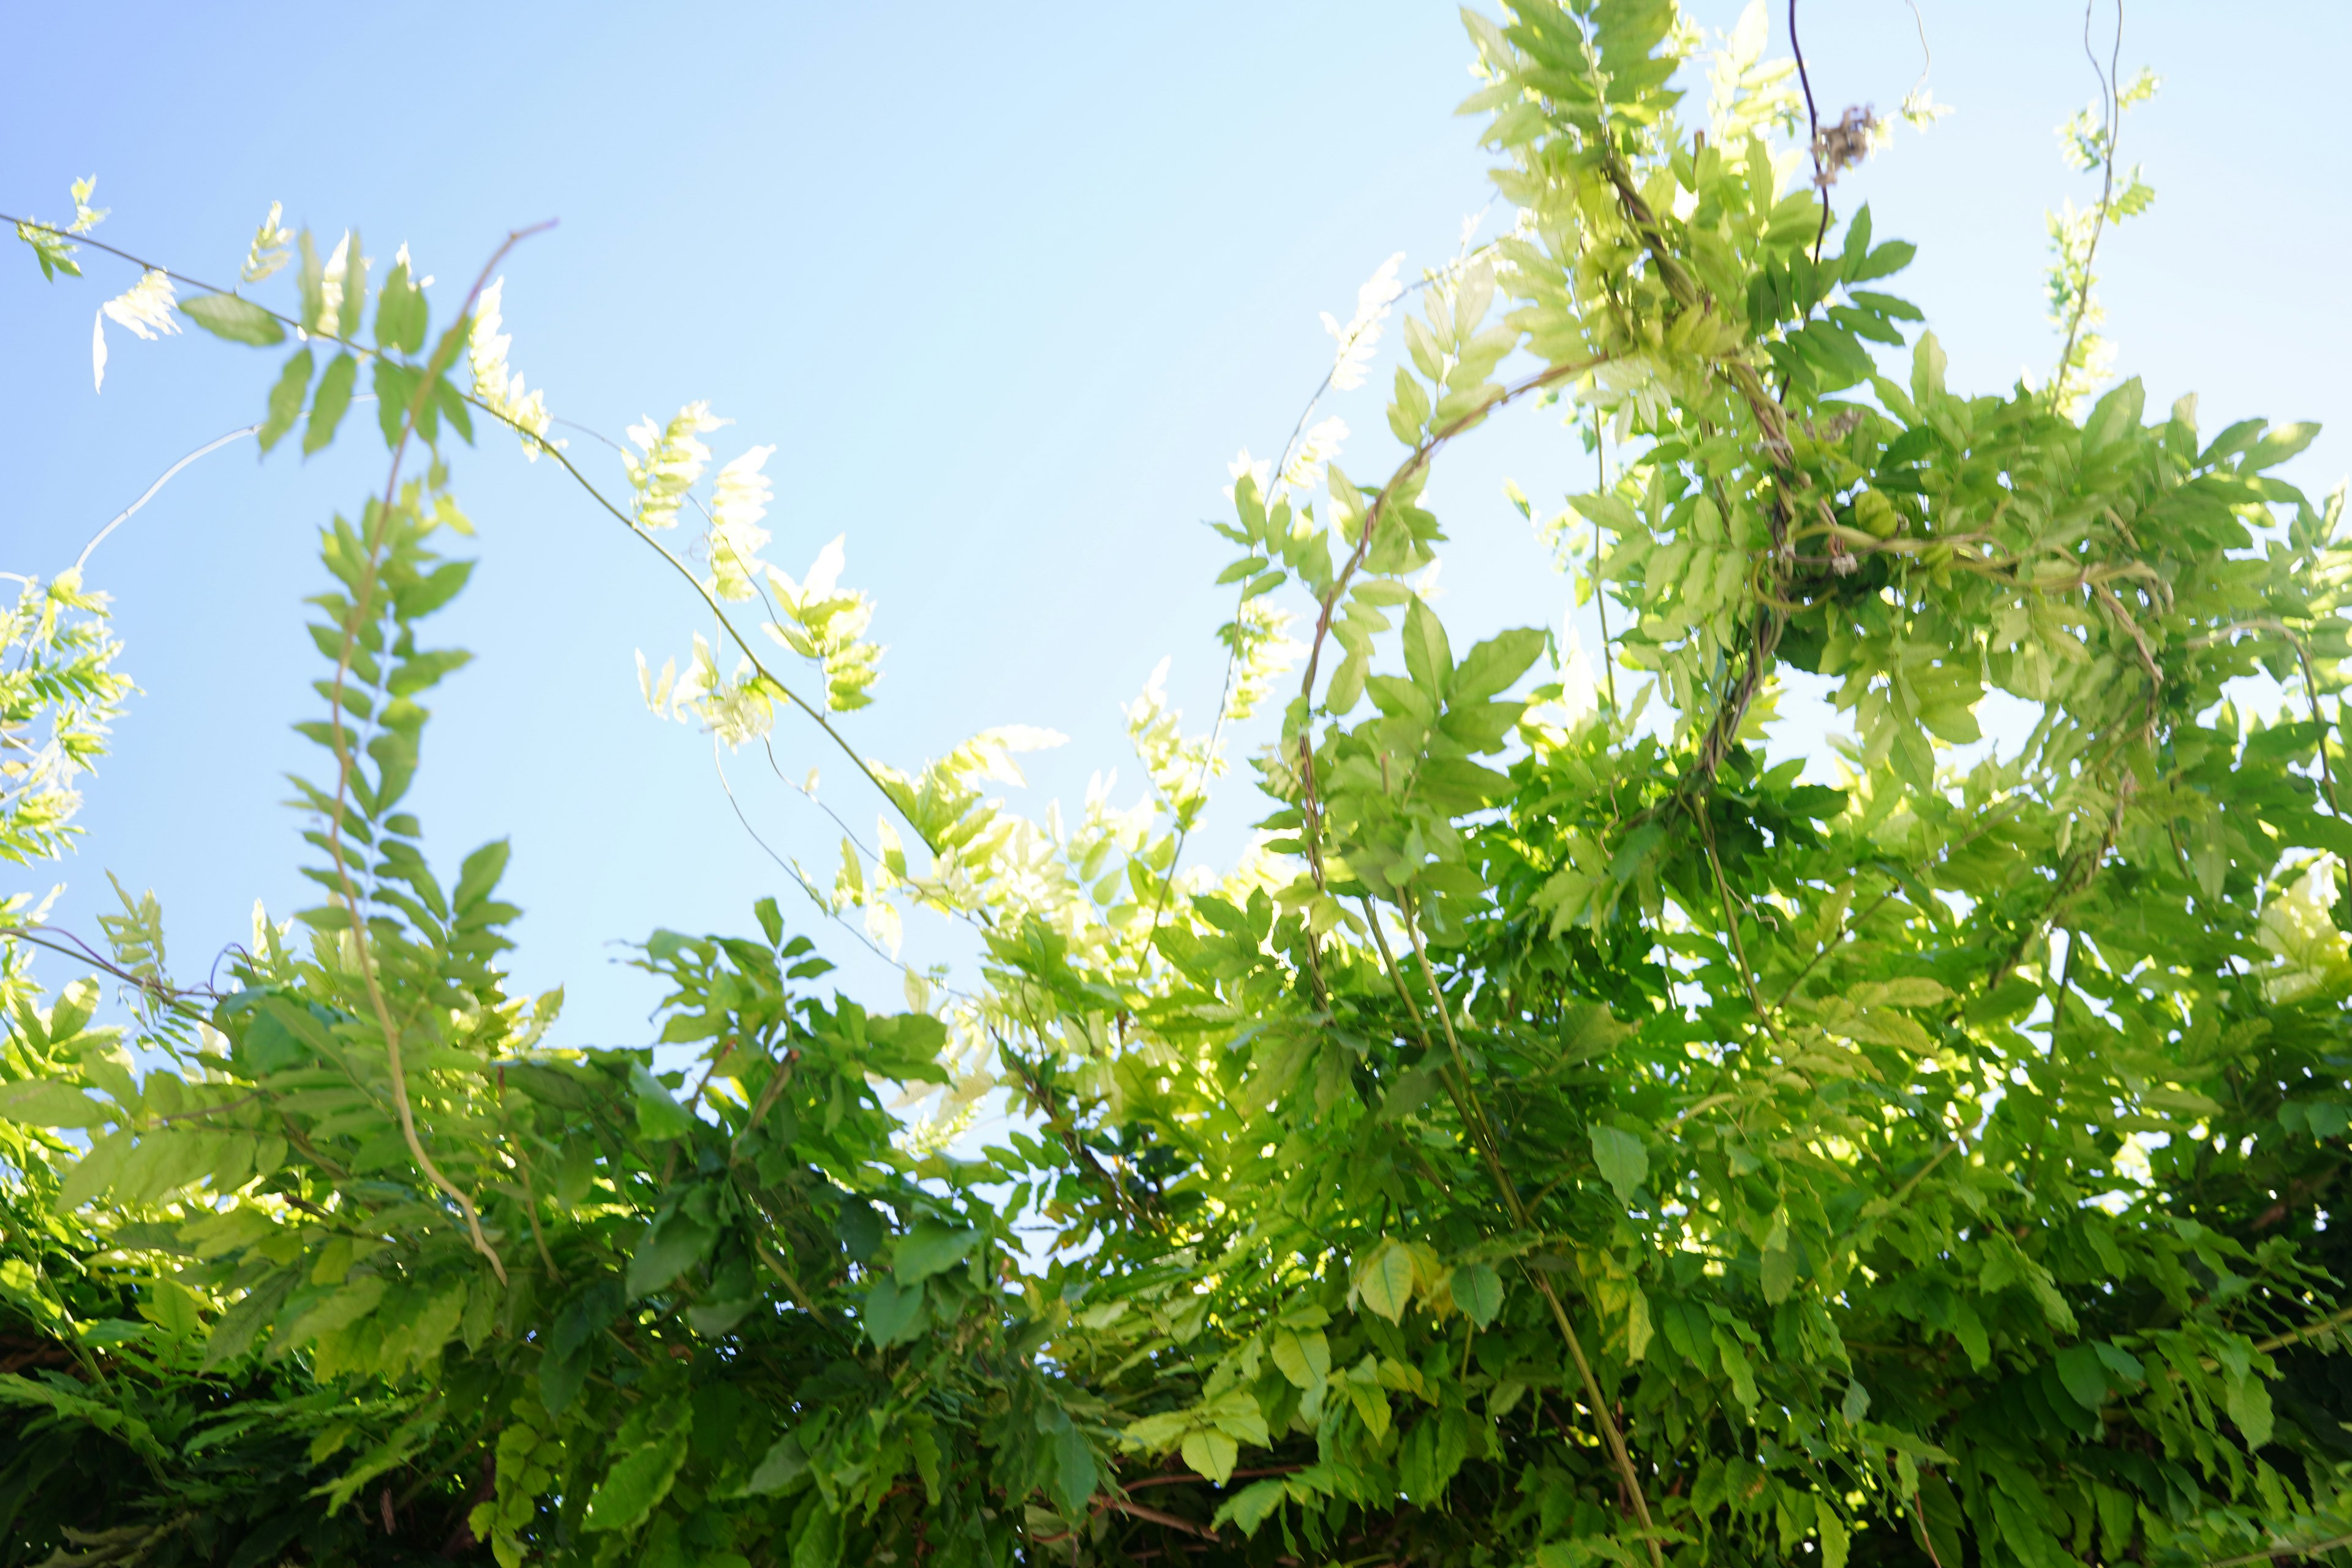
x=1574 y=1134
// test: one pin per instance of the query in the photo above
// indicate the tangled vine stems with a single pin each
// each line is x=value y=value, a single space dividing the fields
x=362 y=593
x=1771 y=419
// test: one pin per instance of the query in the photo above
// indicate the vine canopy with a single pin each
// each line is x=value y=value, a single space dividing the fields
x=1577 y=1130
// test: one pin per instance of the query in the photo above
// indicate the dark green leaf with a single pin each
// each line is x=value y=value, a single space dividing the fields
x=659 y=1117
x=673 y=1244
x=894 y=1314
x=929 y=1248
x=1478 y=1291
x=1624 y=1162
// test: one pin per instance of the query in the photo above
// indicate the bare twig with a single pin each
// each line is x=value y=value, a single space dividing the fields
x=1813 y=130
x=214 y=444
x=2111 y=106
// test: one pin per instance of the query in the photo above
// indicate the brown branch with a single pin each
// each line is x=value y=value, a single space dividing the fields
x=1102 y=1500
x=1180 y=1479
x=199 y=1114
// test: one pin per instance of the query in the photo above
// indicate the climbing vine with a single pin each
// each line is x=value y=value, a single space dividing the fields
x=1577 y=1128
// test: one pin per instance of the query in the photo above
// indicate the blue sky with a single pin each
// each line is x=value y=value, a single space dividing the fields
x=1007 y=286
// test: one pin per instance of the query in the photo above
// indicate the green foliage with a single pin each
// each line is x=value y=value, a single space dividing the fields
x=1572 y=1134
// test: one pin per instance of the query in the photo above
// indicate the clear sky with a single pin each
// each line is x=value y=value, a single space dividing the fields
x=1007 y=286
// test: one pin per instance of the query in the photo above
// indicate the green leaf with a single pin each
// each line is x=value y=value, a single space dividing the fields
x=240 y=320
x=1384 y=1280
x=233 y=1331
x=395 y=390
x=1836 y=1541
x=1887 y=305
x=1624 y=1162
x=1478 y=1291
x=673 y=1244
x=2115 y=413
x=400 y=312
x=859 y=1228
x=2279 y=443
x=1211 y=1454
x=1372 y=1405
x=480 y=872
x=1857 y=240
x=779 y=1468
x=2248 y=1398
x=41 y=1103
x=1891 y=257
x=171 y=1307
x=286 y=397
x=1492 y=667
x=1253 y=1505
x=930 y=1248
x=659 y=1118
x=2080 y=1369
x=632 y=1487
x=1074 y=1474
x=1776 y=1272
x=327 y=406
x=1304 y=1359
x=310 y=277
x=1928 y=362
x=1427 y=658
x=451 y=403
x=894 y=1314
x=1347 y=687
x=1735 y=1365
x=816 y=1535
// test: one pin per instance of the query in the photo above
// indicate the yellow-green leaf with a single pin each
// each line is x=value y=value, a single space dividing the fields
x=1384 y=1280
